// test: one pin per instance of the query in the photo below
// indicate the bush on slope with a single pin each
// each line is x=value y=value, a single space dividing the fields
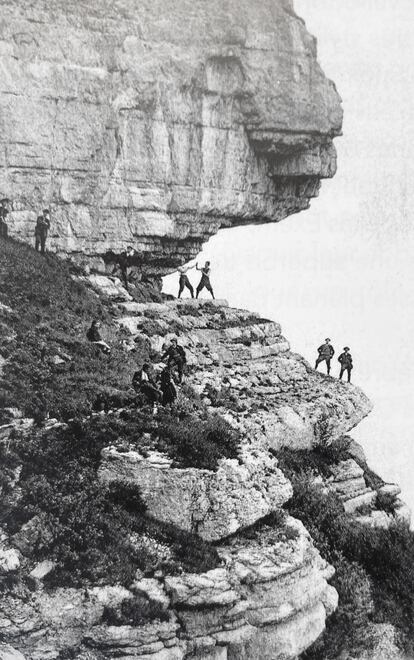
x=374 y=566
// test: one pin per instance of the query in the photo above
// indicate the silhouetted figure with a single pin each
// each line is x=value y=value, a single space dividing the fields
x=42 y=230
x=144 y=382
x=169 y=392
x=176 y=358
x=4 y=212
x=326 y=353
x=205 y=279
x=184 y=282
x=94 y=336
x=345 y=360
x=123 y=263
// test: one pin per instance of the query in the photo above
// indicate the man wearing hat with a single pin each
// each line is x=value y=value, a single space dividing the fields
x=4 y=212
x=345 y=360
x=41 y=230
x=325 y=354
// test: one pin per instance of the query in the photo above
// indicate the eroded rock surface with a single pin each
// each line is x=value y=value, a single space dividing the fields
x=157 y=123
x=269 y=599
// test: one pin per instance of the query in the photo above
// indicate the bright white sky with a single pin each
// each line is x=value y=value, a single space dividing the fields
x=344 y=268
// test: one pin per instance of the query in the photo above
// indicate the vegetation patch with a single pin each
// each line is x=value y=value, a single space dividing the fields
x=95 y=533
x=50 y=317
x=135 y=611
x=374 y=566
x=195 y=442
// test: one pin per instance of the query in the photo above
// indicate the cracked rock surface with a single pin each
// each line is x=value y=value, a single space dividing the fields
x=157 y=123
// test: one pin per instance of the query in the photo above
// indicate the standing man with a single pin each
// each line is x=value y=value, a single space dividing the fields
x=4 y=212
x=123 y=263
x=175 y=356
x=42 y=230
x=326 y=353
x=184 y=282
x=345 y=360
x=205 y=279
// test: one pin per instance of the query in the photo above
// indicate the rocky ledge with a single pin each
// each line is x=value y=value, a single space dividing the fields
x=158 y=123
x=269 y=599
x=269 y=596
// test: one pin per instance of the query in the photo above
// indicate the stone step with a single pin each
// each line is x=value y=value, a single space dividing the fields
x=350 y=488
x=365 y=498
x=139 y=308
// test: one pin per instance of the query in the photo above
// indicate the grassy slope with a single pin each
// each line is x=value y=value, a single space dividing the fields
x=52 y=309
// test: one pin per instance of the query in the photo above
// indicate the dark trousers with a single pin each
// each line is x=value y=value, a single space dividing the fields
x=124 y=276
x=204 y=284
x=40 y=242
x=324 y=359
x=3 y=229
x=348 y=370
x=185 y=283
x=178 y=365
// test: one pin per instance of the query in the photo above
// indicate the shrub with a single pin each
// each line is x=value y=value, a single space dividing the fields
x=347 y=627
x=135 y=611
x=384 y=557
x=193 y=442
x=386 y=502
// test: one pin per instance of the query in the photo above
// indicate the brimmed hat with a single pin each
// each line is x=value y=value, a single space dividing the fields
x=346 y=348
x=45 y=211
x=5 y=200
x=327 y=339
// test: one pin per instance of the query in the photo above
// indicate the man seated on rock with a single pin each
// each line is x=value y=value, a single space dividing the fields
x=184 y=282
x=326 y=353
x=143 y=382
x=205 y=280
x=4 y=212
x=93 y=335
x=345 y=360
x=176 y=358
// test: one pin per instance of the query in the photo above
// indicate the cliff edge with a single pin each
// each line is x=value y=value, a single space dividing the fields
x=156 y=123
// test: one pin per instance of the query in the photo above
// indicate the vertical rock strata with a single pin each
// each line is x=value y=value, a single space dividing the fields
x=157 y=123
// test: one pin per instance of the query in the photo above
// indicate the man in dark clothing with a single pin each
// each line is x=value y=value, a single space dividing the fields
x=94 y=336
x=123 y=263
x=184 y=282
x=142 y=381
x=326 y=353
x=42 y=230
x=345 y=360
x=205 y=280
x=169 y=392
x=4 y=212
x=175 y=356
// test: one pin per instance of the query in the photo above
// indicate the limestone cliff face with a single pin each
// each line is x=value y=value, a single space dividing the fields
x=157 y=123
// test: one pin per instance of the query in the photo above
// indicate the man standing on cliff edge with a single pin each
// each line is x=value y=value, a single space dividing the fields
x=326 y=353
x=345 y=360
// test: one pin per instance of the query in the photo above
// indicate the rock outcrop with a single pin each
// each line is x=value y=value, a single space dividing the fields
x=157 y=123
x=269 y=600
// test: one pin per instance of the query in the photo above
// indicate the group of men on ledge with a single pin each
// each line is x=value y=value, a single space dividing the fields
x=41 y=229
x=156 y=388
x=326 y=353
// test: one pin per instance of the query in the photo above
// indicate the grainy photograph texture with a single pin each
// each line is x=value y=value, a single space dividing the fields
x=206 y=413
